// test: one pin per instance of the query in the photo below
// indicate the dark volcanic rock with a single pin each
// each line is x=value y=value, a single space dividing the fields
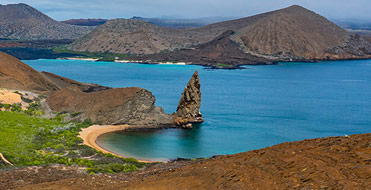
x=188 y=110
x=134 y=106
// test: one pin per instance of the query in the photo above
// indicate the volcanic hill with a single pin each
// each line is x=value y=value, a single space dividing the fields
x=292 y=33
x=20 y=21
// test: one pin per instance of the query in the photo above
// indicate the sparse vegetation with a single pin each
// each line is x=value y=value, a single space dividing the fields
x=224 y=66
x=28 y=141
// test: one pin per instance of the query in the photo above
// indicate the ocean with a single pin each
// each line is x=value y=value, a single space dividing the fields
x=243 y=110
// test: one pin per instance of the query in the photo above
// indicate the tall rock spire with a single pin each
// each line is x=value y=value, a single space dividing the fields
x=188 y=110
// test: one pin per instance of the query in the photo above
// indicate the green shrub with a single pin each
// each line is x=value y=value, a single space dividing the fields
x=32 y=141
x=75 y=114
x=7 y=107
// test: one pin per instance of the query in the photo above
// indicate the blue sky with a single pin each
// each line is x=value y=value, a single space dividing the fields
x=66 y=9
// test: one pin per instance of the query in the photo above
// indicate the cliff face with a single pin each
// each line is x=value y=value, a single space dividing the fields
x=188 y=110
x=134 y=106
x=20 y=21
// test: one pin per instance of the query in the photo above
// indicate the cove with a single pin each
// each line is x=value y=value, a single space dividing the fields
x=243 y=109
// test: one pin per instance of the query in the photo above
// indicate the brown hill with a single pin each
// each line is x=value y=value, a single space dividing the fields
x=18 y=76
x=136 y=37
x=293 y=33
x=322 y=163
x=296 y=31
x=20 y=21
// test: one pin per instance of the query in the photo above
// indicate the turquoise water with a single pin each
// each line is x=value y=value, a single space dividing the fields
x=243 y=109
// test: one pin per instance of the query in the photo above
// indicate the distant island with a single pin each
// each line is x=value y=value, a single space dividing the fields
x=261 y=39
x=256 y=40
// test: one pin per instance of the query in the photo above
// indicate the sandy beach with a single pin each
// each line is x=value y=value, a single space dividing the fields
x=151 y=62
x=83 y=59
x=91 y=134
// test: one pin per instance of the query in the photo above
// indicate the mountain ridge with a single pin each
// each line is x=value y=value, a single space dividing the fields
x=21 y=21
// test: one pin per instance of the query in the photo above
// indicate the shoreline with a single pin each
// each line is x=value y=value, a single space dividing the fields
x=126 y=61
x=91 y=134
x=208 y=66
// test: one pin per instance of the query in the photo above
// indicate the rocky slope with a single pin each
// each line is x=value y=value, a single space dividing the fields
x=20 y=21
x=293 y=33
x=323 y=163
x=18 y=76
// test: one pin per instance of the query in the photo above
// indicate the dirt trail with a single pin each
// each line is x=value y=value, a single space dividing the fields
x=5 y=160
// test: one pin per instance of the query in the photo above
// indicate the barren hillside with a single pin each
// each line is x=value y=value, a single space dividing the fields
x=20 y=21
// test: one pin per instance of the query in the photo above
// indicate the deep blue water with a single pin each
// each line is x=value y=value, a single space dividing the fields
x=243 y=109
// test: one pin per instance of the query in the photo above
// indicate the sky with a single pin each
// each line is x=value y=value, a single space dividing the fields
x=67 y=9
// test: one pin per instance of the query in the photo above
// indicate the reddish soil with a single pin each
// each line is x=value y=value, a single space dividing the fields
x=323 y=163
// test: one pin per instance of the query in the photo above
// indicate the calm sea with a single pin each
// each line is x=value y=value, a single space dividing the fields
x=243 y=109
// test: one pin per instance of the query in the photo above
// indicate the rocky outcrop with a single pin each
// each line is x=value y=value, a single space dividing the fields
x=133 y=106
x=188 y=110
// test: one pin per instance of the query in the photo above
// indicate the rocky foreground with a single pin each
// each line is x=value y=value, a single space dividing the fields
x=323 y=163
